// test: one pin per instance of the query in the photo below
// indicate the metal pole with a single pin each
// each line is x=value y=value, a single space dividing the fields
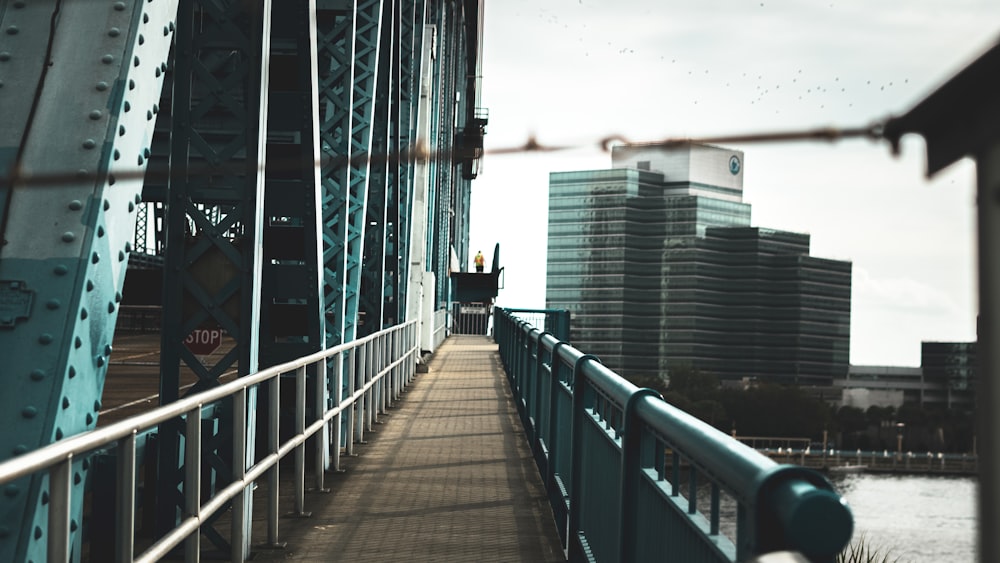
x=273 y=429
x=338 y=384
x=192 y=480
x=321 y=439
x=125 y=539
x=60 y=476
x=300 y=450
x=237 y=527
x=351 y=379
x=988 y=395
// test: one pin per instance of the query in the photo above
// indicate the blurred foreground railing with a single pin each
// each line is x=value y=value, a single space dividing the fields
x=628 y=474
x=369 y=374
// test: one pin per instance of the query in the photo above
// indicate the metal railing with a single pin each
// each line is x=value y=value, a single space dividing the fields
x=626 y=472
x=371 y=372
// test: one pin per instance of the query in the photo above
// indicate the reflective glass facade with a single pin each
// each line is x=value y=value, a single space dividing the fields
x=655 y=277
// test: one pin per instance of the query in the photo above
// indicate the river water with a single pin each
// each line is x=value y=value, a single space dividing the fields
x=914 y=518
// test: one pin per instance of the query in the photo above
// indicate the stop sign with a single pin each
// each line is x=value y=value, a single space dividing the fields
x=203 y=341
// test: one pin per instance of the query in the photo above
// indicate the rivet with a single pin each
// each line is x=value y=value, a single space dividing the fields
x=156 y=108
x=107 y=349
x=145 y=153
x=45 y=338
x=29 y=412
x=171 y=24
x=95 y=258
x=141 y=161
x=59 y=434
x=99 y=360
x=76 y=205
x=142 y=40
x=121 y=256
x=77 y=342
x=166 y=31
x=100 y=231
x=111 y=307
x=118 y=154
x=11 y=490
x=138 y=198
x=101 y=86
x=145 y=18
x=114 y=32
x=128 y=246
x=120 y=6
x=4 y=56
x=107 y=205
x=131 y=84
x=149 y=115
x=97 y=406
x=121 y=130
x=53 y=304
x=77 y=478
x=157 y=72
x=96 y=114
x=83 y=314
x=108 y=59
x=72 y=523
x=60 y=270
x=71 y=372
x=38 y=533
x=68 y=237
x=90 y=285
x=127 y=107
x=163 y=66
x=45 y=497
x=90 y=419
x=89 y=144
x=12 y=30
x=37 y=375
x=135 y=61
x=65 y=403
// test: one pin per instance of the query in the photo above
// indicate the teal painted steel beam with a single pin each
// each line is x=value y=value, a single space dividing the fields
x=81 y=84
x=214 y=221
x=292 y=319
x=377 y=226
x=335 y=22
x=368 y=26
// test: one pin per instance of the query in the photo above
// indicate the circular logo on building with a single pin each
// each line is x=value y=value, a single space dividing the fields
x=734 y=165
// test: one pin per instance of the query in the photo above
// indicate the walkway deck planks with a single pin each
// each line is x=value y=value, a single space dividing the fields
x=447 y=476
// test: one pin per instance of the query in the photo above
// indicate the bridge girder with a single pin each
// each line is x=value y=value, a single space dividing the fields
x=278 y=214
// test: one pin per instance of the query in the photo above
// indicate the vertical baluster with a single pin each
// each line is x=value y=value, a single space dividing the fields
x=192 y=480
x=125 y=540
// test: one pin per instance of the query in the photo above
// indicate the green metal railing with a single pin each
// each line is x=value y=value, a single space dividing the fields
x=632 y=478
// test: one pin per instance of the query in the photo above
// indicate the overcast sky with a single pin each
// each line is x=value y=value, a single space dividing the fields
x=575 y=71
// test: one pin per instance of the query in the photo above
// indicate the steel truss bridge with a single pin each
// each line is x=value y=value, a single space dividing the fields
x=296 y=175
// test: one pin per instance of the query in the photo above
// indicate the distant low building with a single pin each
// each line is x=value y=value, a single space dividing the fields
x=659 y=266
x=946 y=379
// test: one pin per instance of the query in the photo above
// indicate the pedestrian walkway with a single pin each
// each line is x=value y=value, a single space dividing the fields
x=447 y=476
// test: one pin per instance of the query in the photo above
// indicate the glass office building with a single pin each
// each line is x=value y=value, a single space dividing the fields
x=659 y=266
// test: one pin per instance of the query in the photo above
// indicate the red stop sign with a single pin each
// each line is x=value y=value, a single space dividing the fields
x=203 y=341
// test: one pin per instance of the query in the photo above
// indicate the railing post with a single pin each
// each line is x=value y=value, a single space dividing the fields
x=553 y=425
x=60 y=491
x=322 y=439
x=630 y=475
x=351 y=417
x=536 y=407
x=273 y=475
x=192 y=480
x=338 y=384
x=237 y=526
x=125 y=540
x=300 y=450
x=576 y=455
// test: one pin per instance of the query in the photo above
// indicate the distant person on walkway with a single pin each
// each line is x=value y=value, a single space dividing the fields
x=480 y=261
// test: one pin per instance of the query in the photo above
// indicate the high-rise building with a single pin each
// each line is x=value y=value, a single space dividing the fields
x=659 y=266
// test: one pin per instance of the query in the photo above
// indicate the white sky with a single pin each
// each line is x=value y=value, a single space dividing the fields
x=575 y=71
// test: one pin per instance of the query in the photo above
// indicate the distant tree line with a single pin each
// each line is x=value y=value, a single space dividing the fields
x=767 y=409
